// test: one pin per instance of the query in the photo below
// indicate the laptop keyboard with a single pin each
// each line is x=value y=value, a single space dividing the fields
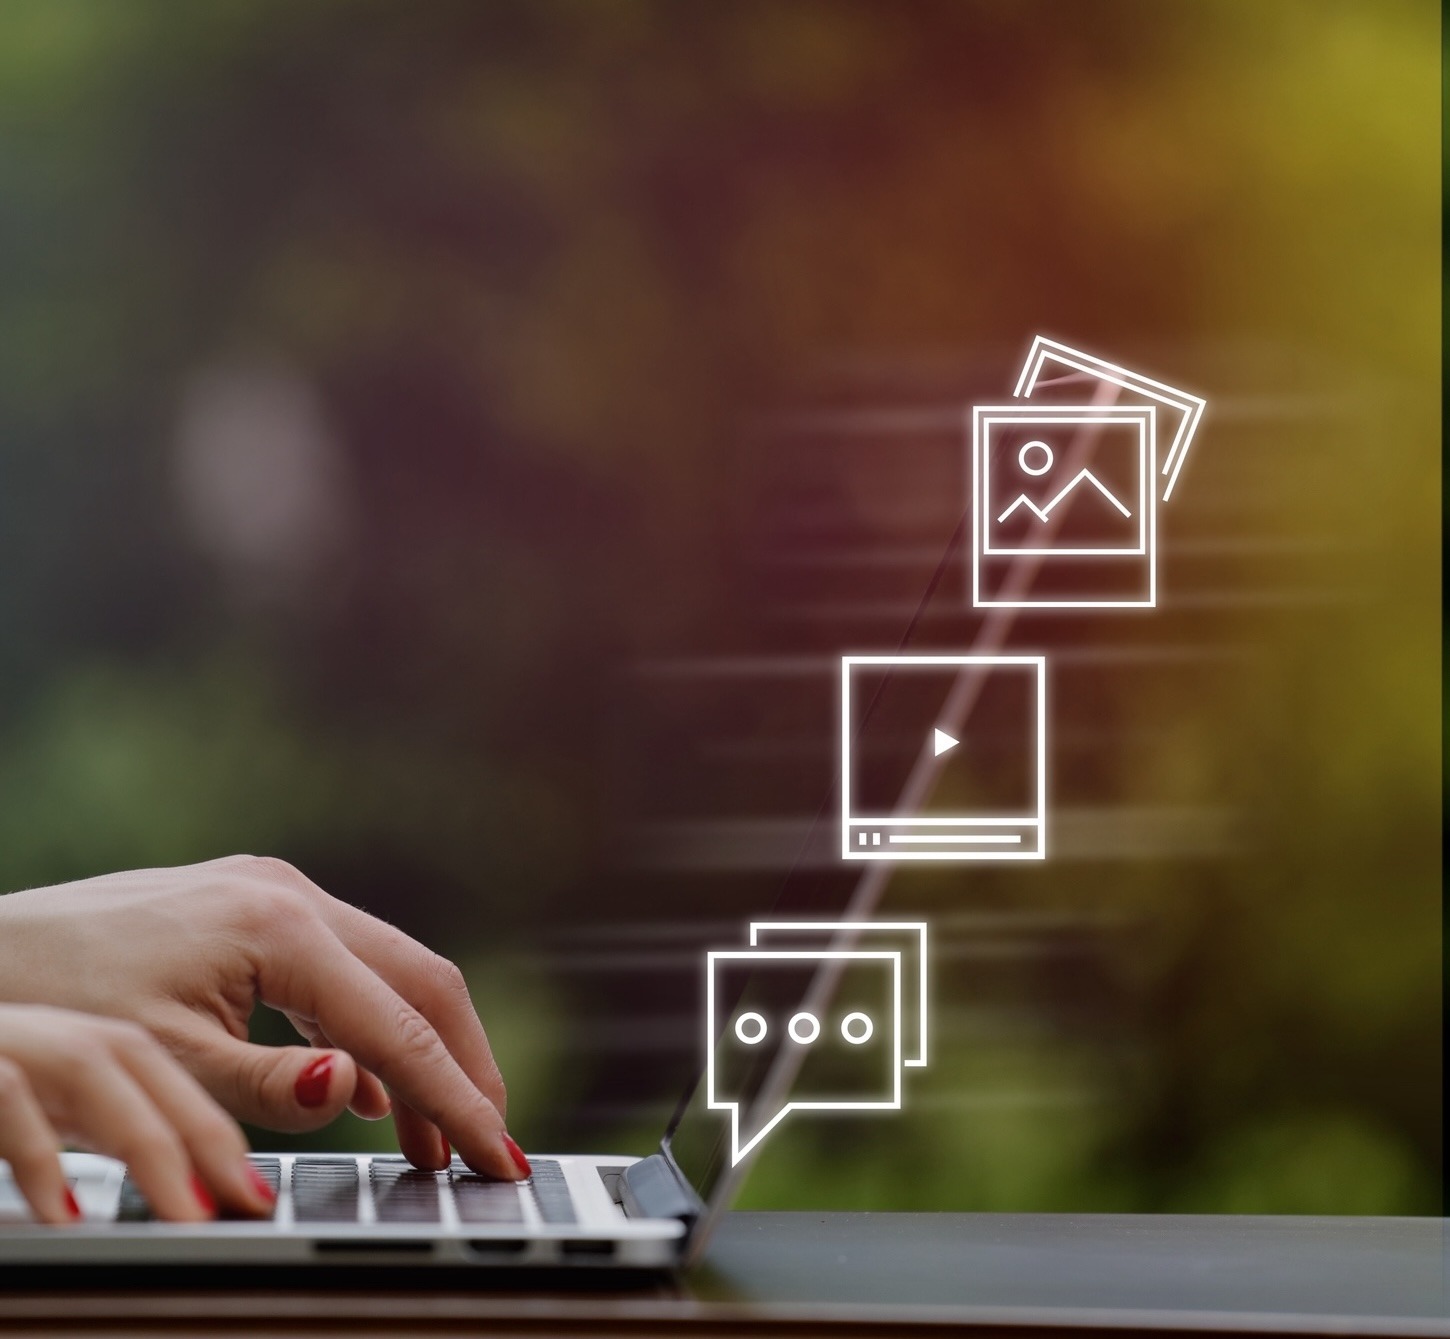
x=324 y=1190
x=270 y=1170
x=479 y=1200
x=330 y=1190
x=133 y=1207
x=402 y=1194
x=551 y=1193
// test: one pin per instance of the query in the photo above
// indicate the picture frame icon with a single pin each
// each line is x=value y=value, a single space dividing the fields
x=1179 y=411
x=1064 y=493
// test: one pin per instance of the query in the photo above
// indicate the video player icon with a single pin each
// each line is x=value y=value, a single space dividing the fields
x=943 y=757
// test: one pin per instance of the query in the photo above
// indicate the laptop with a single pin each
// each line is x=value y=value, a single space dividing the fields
x=376 y=1211
x=576 y=1212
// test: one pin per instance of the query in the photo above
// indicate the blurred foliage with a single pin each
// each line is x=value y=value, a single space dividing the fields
x=536 y=260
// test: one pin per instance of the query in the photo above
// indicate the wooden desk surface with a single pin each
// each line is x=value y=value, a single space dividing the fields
x=808 y=1273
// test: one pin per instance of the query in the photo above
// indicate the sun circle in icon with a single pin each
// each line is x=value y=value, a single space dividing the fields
x=1045 y=457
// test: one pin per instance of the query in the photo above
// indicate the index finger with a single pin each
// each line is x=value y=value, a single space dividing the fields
x=430 y=983
x=321 y=980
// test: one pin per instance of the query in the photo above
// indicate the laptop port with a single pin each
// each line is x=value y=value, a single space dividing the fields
x=343 y=1246
x=498 y=1245
x=584 y=1247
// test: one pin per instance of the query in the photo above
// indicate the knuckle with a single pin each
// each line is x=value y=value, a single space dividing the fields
x=270 y=869
x=279 y=909
x=127 y=1036
x=414 y=1034
x=498 y=1095
x=166 y=1033
x=256 y=1075
x=446 y=981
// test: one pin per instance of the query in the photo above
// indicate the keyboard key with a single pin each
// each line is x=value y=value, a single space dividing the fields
x=270 y=1170
x=402 y=1194
x=324 y=1190
x=551 y=1192
x=133 y=1207
x=479 y=1200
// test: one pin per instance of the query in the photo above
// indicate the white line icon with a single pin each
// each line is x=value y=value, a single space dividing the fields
x=1138 y=420
x=1063 y=475
x=1083 y=476
x=1026 y=503
x=925 y=688
x=1184 y=409
x=871 y=1037
x=915 y=930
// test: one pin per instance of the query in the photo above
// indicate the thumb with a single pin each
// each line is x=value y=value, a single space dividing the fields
x=290 y=1088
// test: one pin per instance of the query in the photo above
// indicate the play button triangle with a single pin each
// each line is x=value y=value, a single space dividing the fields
x=941 y=742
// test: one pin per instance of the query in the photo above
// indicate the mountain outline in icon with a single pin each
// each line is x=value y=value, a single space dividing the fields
x=1042 y=513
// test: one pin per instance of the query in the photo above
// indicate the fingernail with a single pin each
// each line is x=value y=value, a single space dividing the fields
x=72 y=1207
x=208 y=1205
x=260 y=1185
x=447 y=1150
x=313 y=1082
x=517 y=1154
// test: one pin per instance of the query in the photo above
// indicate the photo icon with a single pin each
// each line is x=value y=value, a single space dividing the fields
x=1064 y=506
x=1055 y=371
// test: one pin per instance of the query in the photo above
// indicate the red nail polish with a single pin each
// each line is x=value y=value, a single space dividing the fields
x=72 y=1207
x=260 y=1185
x=312 y=1084
x=517 y=1154
x=447 y=1150
x=203 y=1198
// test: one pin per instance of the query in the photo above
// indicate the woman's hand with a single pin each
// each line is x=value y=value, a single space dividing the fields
x=188 y=952
x=111 y=1086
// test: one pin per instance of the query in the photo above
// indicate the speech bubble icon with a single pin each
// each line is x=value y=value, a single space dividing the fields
x=910 y=937
x=800 y=1030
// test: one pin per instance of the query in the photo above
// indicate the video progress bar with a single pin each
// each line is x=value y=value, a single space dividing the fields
x=1013 y=839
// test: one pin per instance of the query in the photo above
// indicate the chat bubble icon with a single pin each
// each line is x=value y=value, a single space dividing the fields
x=813 y=1030
x=907 y=937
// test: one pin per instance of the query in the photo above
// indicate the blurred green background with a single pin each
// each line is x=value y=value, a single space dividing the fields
x=376 y=383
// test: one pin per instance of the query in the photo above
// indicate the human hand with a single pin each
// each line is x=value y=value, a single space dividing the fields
x=112 y=1087
x=188 y=952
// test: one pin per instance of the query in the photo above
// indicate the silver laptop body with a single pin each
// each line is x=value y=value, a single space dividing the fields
x=376 y=1210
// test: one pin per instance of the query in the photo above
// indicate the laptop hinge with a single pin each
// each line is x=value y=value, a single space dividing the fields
x=651 y=1188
